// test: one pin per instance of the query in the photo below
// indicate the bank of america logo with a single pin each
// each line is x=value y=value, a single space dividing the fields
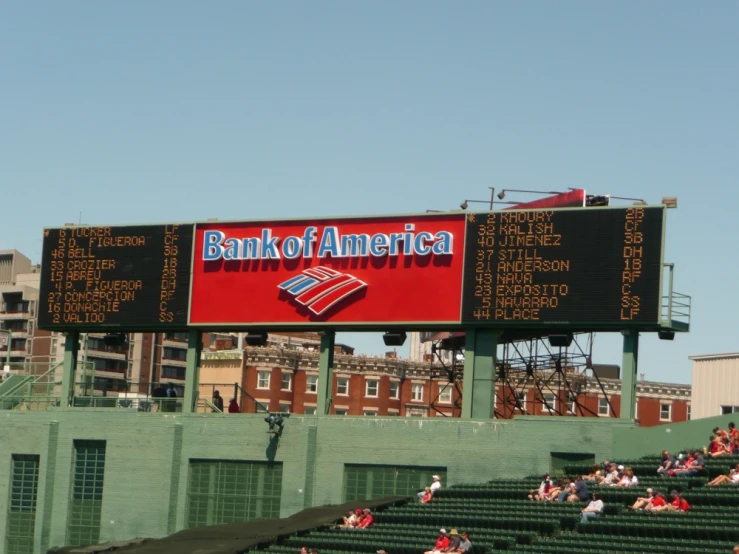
x=321 y=288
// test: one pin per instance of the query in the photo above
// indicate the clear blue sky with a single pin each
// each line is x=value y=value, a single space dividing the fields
x=179 y=110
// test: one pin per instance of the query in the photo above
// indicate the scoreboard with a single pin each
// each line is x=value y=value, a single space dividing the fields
x=577 y=268
x=135 y=277
x=563 y=267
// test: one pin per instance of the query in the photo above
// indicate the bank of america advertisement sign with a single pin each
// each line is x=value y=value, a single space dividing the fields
x=391 y=269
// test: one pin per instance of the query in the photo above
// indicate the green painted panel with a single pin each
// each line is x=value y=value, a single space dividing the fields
x=85 y=504
x=21 y=519
x=368 y=482
x=224 y=491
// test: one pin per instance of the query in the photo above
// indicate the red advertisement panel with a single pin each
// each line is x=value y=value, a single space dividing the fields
x=573 y=198
x=392 y=269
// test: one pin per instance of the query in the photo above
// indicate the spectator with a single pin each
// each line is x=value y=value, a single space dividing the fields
x=657 y=502
x=567 y=490
x=579 y=491
x=714 y=445
x=441 y=544
x=367 y=520
x=352 y=520
x=643 y=501
x=724 y=447
x=720 y=433
x=596 y=473
x=382 y=552
x=733 y=433
x=233 y=406
x=465 y=546
x=218 y=400
x=613 y=477
x=314 y=551
x=694 y=466
x=629 y=479
x=304 y=550
x=427 y=496
x=542 y=493
x=731 y=478
x=556 y=490
x=454 y=542
x=435 y=486
x=678 y=504
x=736 y=549
x=667 y=463
x=593 y=510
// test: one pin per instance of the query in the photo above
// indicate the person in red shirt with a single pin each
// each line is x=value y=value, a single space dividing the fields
x=720 y=433
x=233 y=406
x=427 y=496
x=657 y=503
x=367 y=520
x=442 y=542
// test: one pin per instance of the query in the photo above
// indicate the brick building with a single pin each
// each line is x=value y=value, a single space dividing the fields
x=286 y=381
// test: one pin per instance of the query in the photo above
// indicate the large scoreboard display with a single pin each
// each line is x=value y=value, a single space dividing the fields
x=580 y=268
x=134 y=277
x=560 y=267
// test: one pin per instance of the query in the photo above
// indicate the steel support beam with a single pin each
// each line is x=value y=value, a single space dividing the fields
x=325 y=373
x=192 y=371
x=478 y=400
x=629 y=373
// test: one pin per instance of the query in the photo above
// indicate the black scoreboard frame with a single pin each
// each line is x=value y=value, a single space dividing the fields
x=186 y=257
x=645 y=322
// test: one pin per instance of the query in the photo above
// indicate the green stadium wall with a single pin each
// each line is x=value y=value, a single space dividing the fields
x=147 y=456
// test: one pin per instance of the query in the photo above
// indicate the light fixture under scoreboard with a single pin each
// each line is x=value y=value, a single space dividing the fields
x=394 y=338
x=255 y=338
x=562 y=340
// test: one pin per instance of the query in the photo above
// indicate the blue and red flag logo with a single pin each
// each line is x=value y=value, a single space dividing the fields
x=321 y=288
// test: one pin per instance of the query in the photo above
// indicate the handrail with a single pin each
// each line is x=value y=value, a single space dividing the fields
x=209 y=404
x=258 y=406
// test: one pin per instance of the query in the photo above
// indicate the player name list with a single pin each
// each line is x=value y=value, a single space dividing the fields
x=560 y=267
x=116 y=275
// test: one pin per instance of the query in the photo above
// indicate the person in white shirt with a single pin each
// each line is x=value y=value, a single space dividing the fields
x=629 y=479
x=732 y=478
x=435 y=486
x=593 y=509
x=613 y=477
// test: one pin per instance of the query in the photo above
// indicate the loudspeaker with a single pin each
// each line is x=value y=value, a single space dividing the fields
x=253 y=338
x=394 y=338
x=563 y=340
x=666 y=334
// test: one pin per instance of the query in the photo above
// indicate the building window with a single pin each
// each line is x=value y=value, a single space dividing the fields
x=287 y=381
x=548 y=403
x=371 y=388
x=572 y=404
x=285 y=408
x=86 y=500
x=415 y=412
x=342 y=386
x=729 y=409
x=311 y=383
x=521 y=405
x=341 y=411
x=688 y=412
x=222 y=491
x=21 y=519
x=417 y=392
x=370 y=412
x=665 y=411
x=445 y=393
x=636 y=409
x=603 y=408
x=263 y=378
x=173 y=372
x=394 y=390
x=309 y=410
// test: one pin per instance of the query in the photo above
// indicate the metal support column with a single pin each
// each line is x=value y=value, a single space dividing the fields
x=629 y=373
x=69 y=373
x=478 y=400
x=192 y=371
x=325 y=373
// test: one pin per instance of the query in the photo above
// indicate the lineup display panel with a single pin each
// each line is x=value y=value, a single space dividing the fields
x=350 y=272
x=597 y=267
x=116 y=278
